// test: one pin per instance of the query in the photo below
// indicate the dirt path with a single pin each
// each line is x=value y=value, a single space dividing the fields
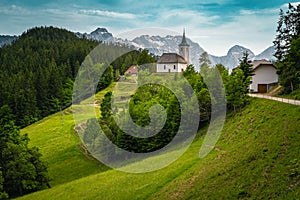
x=289 y=101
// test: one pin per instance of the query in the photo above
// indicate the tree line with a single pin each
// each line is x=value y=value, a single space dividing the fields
x=21 y=168
x=39 y=68
x=287 y=43
x=236 y=86
x=38 y=71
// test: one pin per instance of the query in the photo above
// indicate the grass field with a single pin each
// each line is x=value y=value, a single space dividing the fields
x=256 y=157
x=60 y=146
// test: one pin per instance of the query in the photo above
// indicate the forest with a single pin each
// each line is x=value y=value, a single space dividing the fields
x=287 y=43
x=37 y=76
x=38 y=71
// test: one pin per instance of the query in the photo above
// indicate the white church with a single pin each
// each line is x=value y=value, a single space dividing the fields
x=172 y=62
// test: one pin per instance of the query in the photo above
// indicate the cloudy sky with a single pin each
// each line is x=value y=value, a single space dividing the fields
x=215 y=24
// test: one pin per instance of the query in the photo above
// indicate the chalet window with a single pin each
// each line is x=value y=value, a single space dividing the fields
x=174 y=66
x=164 y=67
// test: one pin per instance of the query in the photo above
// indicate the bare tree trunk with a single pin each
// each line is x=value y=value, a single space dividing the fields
x=20 y=190
x=292 y=86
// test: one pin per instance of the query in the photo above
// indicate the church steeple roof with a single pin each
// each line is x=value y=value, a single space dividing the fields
x=184 y=42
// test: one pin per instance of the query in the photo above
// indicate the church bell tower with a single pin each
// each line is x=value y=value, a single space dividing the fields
x=184 y=49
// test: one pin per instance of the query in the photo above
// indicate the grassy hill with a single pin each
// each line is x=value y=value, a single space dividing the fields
x=256 y=157
x=61 y=147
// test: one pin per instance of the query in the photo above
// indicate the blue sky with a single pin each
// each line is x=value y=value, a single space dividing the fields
x=215 y=24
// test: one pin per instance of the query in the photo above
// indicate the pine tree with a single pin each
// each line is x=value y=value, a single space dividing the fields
x=105 y=109
x=246 y=67
x=287 y=48
x=236 y=90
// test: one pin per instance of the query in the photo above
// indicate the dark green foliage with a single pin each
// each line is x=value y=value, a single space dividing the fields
x=236 y=90
x=139 y=106
x=3 y=195
x=37 y=76
x=38 y=70
x=287 y=45
x=246 y=67
x=201 y=90
x=134 y=57
x=106 y=106
x=289 y=69
x=22 y=171
x=237 y=83
x=144 y=58
x=288 y=29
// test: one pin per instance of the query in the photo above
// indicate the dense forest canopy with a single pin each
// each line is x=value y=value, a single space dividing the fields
x=38 y=70
x=37 y=76
x=287 y=43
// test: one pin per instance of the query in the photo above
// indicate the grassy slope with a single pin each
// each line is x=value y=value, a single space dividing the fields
x=256 y=157
x=57 y=141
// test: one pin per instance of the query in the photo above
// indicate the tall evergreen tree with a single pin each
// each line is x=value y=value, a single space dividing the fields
x=288 y=29
x=287 y=48
x=105 y=108
x=246 y=67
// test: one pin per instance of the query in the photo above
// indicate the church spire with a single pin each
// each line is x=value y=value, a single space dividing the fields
x=184 y=48
x=183 y=42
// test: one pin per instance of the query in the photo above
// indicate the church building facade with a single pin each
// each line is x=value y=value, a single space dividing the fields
x=173 y=62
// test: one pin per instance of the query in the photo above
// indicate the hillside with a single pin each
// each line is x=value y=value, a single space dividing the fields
x=159 y=45
x=256 y=157
x=38 y=70
x=56 y=138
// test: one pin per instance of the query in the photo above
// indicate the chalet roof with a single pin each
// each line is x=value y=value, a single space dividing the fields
x=256 y=63
x=132 y=70
x=171 y=58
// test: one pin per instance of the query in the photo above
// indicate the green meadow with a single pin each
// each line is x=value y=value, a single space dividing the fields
x=256 y=157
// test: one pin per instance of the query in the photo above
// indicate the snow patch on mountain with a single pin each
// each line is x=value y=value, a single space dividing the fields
x=100 y=34
x=158 y=45
x=7 y=39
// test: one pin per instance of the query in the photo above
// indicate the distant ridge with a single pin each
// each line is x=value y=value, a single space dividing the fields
x=7 y=39
x=159 y=45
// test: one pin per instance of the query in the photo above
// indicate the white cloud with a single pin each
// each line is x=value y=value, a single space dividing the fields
x=177 y=16
x=109 y=14
x=14 y=10
x=260 y=11
x=285 y=6
x=254 y=29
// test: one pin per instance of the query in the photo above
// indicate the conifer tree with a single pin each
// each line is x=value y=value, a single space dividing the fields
x=287 y=48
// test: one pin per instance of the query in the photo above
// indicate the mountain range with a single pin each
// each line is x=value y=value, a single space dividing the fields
x=6 y=39
x=158 y=45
